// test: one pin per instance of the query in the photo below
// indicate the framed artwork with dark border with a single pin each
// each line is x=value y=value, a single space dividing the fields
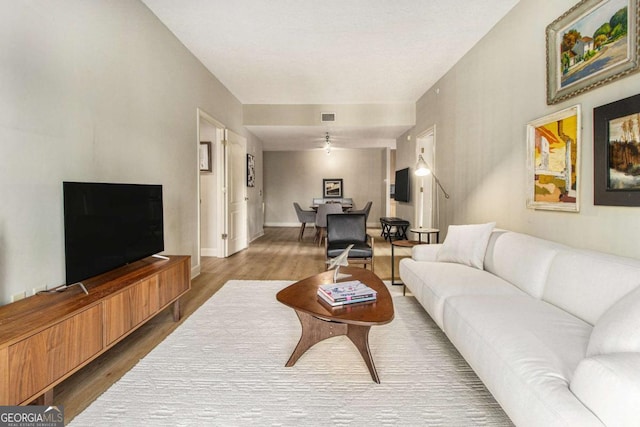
x=205 y=157
x=593 y=43
x=553 y=161
x=332 y=188
x=251 y=170
x=616 y=153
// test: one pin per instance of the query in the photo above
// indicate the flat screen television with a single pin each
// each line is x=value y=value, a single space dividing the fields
x=402 y=185
x=109 y=225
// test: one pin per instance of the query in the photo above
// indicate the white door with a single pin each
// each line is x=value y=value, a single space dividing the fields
x=236 y=199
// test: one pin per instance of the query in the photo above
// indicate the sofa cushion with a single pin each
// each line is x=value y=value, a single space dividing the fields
x=426 y=252
x=466 y=244
x=520 y=259
x=586 y=283
x=618 y=329
x=433 y=282
x=525 y=351
x=609 y=385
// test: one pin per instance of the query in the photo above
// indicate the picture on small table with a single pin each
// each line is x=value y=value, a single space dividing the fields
x=332 y=187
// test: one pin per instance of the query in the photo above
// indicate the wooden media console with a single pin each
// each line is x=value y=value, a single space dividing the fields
x=46 y=338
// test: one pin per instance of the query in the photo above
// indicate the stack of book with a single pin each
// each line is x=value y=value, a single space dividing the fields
x=338 y=294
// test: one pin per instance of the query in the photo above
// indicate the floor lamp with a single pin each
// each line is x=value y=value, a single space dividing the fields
x=422 y=170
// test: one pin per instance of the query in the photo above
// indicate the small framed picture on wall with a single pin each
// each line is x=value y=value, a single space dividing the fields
x=251 y=170
x=205 y=157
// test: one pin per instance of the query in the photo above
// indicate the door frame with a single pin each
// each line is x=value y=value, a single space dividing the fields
x=218 y=154
x=429 y=155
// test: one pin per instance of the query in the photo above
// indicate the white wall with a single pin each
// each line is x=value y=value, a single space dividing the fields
x=481 y=108
x=296 y=176
x=94 y=90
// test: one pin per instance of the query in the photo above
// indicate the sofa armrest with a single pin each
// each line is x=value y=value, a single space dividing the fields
x=609 y=385
x=425 y=252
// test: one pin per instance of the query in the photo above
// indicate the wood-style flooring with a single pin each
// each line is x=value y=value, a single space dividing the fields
x=275 y=256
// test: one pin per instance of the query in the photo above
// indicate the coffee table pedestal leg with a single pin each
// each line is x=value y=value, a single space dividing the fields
x=315 y=330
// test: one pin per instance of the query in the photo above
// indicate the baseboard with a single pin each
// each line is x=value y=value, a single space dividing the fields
x=195 y=271
x=283 y=224
x=257 y=236
x=208 y=252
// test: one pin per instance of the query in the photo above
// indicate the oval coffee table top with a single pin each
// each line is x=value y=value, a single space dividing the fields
x=303 y=296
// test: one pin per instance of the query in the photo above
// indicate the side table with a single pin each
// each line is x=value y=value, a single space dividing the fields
x=428 y=231
x=401 y=244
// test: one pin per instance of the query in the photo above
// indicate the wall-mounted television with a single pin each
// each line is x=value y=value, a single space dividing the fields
x=109 y=225
x=402 y=190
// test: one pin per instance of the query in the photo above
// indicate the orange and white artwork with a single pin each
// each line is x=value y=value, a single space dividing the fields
x=553 y=161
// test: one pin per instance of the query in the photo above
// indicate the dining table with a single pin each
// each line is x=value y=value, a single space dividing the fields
x=345 y=207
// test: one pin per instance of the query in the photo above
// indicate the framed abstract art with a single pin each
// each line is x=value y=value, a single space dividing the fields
x=553 y=161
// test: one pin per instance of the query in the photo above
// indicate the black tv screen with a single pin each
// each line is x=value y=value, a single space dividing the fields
x=402 y=185
x=109 y=225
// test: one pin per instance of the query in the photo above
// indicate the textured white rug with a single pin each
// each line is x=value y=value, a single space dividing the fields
x=224 y=366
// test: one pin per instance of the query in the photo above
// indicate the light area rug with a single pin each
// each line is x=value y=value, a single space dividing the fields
x=224 y=366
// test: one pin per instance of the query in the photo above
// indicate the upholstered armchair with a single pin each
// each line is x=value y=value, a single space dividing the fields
x=344 y=230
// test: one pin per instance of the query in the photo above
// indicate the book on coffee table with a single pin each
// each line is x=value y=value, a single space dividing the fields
x=353 y=300
x=346 y=292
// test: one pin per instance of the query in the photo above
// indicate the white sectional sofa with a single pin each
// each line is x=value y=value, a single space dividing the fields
x=552 y=331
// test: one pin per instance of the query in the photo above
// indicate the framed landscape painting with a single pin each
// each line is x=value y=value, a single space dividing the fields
x=593 y=43
x=553 y=161
x=616 y=153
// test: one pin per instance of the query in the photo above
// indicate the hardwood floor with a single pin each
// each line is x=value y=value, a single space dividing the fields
x=275 y=256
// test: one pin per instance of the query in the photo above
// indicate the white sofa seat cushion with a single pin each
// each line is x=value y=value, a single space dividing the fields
x=586 y=283
x=518 y=343
x=609 y=385
x=433 y=282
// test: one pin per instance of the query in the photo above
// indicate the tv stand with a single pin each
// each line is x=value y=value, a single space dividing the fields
x=46 y=338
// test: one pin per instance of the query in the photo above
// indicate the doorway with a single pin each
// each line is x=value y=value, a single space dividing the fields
x=222 y=211
x=211 y=214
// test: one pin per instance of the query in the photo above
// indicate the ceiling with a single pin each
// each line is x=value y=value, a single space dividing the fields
x=329 y=51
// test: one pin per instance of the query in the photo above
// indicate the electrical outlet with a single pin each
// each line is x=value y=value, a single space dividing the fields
x=41 y=288
x=19 y=296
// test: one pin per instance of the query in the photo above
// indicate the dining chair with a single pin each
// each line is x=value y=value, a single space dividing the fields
x=349 y=229
x=304 y=217
x=321 y=218
x=365 y=210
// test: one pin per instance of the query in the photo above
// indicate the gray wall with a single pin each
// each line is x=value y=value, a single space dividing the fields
x=296 y=176
x=94 y=90
x=481 y=108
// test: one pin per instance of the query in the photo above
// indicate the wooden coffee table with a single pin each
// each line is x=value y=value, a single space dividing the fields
x=320 y=321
